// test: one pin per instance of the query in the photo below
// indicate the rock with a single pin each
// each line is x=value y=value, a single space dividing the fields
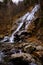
x=39 y=47
x=25 y=56
x=29 y=48
x=21 y=59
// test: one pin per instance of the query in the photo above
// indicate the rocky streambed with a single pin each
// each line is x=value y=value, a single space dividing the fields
x=28 y=53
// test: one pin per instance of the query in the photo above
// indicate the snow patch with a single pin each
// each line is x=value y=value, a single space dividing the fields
x=1 y=0
x=16 y=1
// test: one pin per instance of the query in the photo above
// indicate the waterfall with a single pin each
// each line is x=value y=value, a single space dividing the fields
x=27 y=19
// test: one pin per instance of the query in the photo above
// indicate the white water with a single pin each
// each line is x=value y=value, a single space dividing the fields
x=27 y=18
x=32 y=16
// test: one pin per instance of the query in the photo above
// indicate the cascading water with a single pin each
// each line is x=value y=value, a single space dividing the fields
x=17 y=30
x=32 y=15
x=27 y=19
